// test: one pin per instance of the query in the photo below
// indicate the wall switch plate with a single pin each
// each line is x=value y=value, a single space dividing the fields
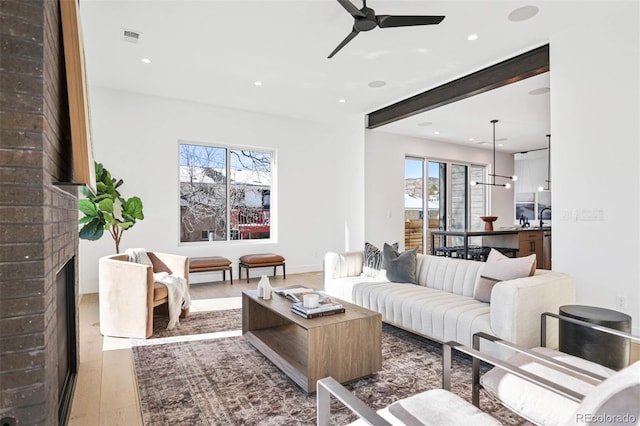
x=621 y=301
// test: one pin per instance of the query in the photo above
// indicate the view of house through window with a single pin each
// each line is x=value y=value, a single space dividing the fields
x=225 y=193
x=445 y=195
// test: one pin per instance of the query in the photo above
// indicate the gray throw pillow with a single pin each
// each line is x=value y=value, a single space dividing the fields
x=400 y=267
x=373 y=259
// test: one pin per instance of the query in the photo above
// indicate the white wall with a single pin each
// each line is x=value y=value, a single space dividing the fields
x=384 y=181
x=136 y=138
x=595 y=105
x=531 y=169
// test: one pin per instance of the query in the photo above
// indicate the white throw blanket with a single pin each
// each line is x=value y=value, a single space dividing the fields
x=178 y=292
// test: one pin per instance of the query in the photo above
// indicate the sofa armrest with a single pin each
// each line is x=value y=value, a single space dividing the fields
x=517 y=306
x=340 y=265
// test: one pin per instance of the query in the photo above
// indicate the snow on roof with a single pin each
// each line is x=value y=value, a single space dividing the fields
x=412 y=202
x=242 y=177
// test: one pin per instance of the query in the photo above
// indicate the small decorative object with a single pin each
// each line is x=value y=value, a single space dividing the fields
x=264 y=288
x=488 y=222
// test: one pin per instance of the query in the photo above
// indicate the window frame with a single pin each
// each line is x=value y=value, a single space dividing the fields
x=448 y=188
x=273 y=215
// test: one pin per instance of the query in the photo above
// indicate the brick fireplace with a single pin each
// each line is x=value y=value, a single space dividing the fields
x=38 y=220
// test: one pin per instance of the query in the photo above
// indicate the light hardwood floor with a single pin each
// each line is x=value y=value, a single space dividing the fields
x=106 y=391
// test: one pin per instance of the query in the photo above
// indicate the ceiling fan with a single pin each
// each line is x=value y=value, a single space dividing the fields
x=365 y=19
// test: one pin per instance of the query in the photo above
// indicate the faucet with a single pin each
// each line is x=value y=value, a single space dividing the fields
x=540 y=215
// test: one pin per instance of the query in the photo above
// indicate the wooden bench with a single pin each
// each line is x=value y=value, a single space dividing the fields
x=261 y=260
x=211 y=264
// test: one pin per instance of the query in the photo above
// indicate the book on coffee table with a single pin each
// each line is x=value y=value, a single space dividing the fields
x=326 y=306
x=296 y=294
x=315 y=312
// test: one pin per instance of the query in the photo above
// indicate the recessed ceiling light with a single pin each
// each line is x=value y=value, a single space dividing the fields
x=472 y=37
x=377 y=83
x=146 y=60
x=540 y=91
x=342 y=101
x=471 y=139
x=500 y=144
x=523 y=13
x=257 y=83
x=436 y=132
x=425 y=123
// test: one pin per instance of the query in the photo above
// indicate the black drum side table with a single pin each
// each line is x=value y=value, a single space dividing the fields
x=602 y=348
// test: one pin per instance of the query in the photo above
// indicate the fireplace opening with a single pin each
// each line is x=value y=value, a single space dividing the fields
x=66 y=338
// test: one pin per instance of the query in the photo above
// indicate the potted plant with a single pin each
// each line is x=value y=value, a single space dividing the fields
x=107 y=210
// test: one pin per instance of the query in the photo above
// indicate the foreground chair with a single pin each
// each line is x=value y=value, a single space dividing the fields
x=577 y=376
x=615 y=399
x=128 y=293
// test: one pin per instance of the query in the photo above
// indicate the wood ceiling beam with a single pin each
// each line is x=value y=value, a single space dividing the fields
x=512 y=70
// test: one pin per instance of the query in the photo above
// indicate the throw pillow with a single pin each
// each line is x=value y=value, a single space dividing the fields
x=399 y=267
x=501 y=268
x=373 y=260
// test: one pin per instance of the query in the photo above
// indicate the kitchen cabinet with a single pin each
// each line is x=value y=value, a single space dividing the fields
x=546 y=249
x=530 y=242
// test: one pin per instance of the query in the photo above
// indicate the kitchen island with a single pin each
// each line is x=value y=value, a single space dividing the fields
x=524 y=241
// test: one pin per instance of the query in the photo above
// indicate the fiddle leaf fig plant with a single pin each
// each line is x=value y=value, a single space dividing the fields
x=107 y=210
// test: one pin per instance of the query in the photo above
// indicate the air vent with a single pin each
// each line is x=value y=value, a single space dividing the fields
x=130 y=36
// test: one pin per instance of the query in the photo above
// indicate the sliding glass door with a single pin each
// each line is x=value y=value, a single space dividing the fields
x=446 y=197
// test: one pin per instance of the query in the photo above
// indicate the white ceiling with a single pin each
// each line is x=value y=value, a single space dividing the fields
x=213 y=51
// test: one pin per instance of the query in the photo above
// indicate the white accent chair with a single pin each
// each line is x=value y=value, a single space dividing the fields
x=128 y=293
x=614 y=400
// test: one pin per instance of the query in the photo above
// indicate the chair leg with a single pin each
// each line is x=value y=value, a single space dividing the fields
x=231 y=274
x=284 y=273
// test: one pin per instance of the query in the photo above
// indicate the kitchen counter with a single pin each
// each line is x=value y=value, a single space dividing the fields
x=525 y=240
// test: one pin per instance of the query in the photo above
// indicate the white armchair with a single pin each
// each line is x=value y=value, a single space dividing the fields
x=128 y=294
x=614 y=399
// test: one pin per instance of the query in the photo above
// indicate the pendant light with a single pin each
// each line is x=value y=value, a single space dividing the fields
x=493 y=167
x=542 y=188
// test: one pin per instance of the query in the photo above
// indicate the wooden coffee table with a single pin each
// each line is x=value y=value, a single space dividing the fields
x=344 y=346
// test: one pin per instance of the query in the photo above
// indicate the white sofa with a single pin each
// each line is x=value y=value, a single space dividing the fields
x=441 y=305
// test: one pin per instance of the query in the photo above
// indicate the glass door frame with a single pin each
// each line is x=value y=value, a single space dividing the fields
x=448 y=206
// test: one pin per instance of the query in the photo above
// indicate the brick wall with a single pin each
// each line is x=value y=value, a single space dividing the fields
x=38 y=231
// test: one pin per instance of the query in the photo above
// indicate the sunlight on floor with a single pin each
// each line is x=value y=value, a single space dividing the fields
x=200 y=305
x=191 y=338
x=219 y=304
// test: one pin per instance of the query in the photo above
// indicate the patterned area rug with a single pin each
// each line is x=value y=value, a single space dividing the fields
x=189 y=379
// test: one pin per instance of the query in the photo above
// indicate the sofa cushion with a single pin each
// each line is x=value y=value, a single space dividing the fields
x=501 y=268
x=373 y=259
x=399 y=267
x=435 y=313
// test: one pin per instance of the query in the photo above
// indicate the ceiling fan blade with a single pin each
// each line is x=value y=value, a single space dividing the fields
x=347 y=39
x=351 y=8
x=386 y=21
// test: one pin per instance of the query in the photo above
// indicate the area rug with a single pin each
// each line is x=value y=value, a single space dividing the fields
x=198 y=375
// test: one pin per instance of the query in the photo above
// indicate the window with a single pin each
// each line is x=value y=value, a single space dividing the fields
x=225 y=193
x=450 y=203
